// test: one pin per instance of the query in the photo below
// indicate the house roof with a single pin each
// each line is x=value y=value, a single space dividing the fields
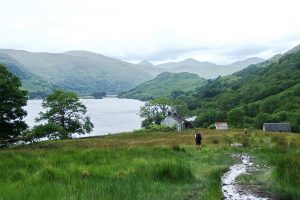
x=277 y=127
x=191 y=119
x=176 y=117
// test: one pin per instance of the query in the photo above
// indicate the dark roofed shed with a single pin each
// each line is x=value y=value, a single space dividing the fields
x=280 y=127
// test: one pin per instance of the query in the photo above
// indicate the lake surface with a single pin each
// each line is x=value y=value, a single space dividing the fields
x=109 y=115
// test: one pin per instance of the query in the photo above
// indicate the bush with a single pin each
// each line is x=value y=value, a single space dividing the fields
x=161 y=128
x=212 y=126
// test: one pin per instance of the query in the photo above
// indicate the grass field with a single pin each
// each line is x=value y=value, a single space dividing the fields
x=151 y=165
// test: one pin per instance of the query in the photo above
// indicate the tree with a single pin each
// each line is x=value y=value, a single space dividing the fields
x=235 y=117
x=12 y=99
x=65 y=115
x=156 y=110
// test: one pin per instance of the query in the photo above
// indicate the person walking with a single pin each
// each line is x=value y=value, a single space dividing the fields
x=198 y=138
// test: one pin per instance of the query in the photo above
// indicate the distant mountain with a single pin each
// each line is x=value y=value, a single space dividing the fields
x=82 y=71
x=164 y=84
x=207 y=69
x=146 y=63
x=245 y=63
x=36 y=86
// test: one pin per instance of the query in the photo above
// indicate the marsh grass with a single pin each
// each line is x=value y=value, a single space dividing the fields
x=145 y=165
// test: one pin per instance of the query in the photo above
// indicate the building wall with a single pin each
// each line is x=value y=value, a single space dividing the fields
x=171 y=122
x=222 y=126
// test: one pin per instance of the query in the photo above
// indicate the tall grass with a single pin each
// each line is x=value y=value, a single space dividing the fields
x=144 y=166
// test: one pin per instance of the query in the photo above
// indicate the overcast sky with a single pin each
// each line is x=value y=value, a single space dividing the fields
x=219 y=31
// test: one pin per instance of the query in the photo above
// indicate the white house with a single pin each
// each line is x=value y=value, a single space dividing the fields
x=221 y=125
x=173 y=120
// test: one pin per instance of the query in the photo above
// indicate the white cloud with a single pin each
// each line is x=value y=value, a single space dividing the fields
x=216 y=30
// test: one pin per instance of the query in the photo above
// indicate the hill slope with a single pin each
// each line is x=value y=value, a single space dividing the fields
x=207 y=69
x=164 y=84
x=266 y=92
x=36 y=86
x=83 y=72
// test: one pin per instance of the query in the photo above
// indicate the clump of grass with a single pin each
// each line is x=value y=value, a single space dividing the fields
x=178 y=148
x=172 y=172
x=215 y=141
x=281 y=143
x=287 y=176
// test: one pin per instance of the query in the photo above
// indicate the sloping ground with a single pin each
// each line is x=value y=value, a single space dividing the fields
x=145 y=165
x=35 y=85
x=81 y=71
x=207 y=69
x=166 y=85
x=266 y=92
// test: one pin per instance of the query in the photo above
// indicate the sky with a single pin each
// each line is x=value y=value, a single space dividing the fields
x=219 y=31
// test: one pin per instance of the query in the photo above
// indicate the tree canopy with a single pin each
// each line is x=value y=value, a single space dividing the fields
x=65 y=115
x=156 y=110
x=12 y=99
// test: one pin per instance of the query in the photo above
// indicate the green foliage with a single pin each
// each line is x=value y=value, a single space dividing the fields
x=171 y=85
x=212 y=126
x=65 y=116
x=235 y=117
x=12 y=99
x=265 y=92
x=160 y=128
x=156 y=110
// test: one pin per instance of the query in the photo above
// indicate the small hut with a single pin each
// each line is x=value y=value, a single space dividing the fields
x=277 y=127
x=221 y=125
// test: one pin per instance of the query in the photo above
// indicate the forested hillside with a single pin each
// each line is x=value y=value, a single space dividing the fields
x=265 y=92
x=36 y=86
x=166 y=84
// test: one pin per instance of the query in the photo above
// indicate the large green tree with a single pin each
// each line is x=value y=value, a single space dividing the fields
x=65 y=115
x=12 y=99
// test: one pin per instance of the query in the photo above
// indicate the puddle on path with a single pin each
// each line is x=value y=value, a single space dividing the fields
x=229 y=188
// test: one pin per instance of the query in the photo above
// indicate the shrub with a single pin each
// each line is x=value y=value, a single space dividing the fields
x=160 y=128
x=211 y=127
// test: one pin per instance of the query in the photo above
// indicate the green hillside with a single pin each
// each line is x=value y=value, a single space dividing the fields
x=166 y=84
x=36 y=86
x=266 y=92
x=83 y=72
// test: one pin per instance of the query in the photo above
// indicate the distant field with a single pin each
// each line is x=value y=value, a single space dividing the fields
x=152 y=165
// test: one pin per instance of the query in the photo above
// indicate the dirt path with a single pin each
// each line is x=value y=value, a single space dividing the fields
x=230 y=190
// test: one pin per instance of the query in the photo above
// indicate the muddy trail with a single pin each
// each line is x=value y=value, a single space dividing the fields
x=231 y=190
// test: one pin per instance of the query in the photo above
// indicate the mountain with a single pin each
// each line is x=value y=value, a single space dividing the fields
x=166 y=84
x=82 y=71
x=207 y=69
x=146 y=63
x=245 y=63
x=36 y=86
x=264 y=92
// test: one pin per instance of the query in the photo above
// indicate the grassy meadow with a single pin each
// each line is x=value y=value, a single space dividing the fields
x=149 y=165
